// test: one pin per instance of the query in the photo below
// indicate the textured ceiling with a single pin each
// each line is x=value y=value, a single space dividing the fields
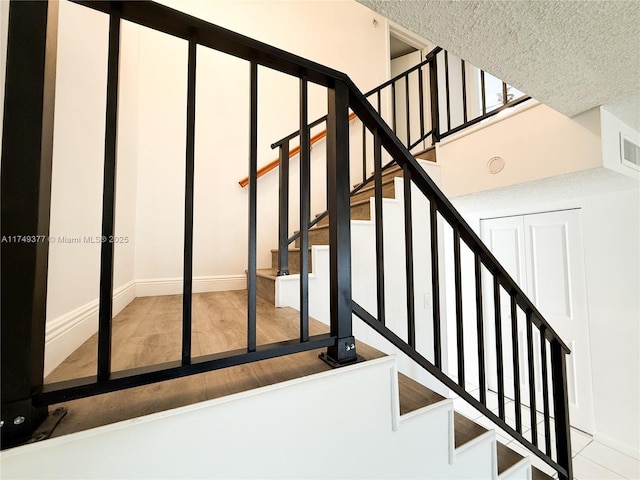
x=570 y=55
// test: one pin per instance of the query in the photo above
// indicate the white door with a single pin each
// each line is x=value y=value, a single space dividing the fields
x=543 y=252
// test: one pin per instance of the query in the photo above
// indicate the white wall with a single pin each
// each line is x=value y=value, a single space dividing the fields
x=77 y=176
x=222 y=129
x=610 y=212
x=536 y=142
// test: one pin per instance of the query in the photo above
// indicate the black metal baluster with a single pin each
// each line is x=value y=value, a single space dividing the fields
x=499 y=355
x=108 y=202
x=483 y=93
x=464 y=91
x=515 y=350
x=283 y=217
x=407 y=106
x=393 y=105
x=446 y=77
x=561 y=408
x=379 y=104
x=532 y=380
x=305 y=210
x=421 y=100
x=504 y=93
x=187 y=283
x=377 y=162
x=459 y=319
x=364 y=153
x=408 y=245
x=482 y=382
x=253 y=197
x=433 y=87
x=435 y=284
x=545 y=391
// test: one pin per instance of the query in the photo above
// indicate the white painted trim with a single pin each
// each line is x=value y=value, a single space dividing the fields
x=67 y=332
x=408 y=37
x=617 y=445
x=151 y=287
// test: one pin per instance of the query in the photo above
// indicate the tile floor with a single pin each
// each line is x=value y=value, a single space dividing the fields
x=591 y=460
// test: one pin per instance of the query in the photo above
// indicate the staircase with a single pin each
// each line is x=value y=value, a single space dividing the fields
x=319 y=234
x=424 y=224
x=413 y=395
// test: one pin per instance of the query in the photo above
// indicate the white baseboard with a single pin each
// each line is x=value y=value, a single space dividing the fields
x=173 y=286
x=67 y=332
x=617 y=445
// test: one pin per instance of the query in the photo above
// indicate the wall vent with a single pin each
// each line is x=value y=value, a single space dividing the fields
x=629 y=152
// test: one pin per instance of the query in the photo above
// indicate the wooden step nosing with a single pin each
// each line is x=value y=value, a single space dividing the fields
x=447 y=404
x=291 y=250
x=516 y=466
x=372 y=187
x=489 y=434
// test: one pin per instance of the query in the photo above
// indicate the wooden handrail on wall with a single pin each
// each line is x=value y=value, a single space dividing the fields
x=292 y=153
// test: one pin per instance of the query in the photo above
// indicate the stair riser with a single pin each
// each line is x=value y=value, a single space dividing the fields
x=266 y=289
x=294 y=261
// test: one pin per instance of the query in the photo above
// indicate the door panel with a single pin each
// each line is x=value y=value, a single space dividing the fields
x=543 y=253
x=555 y=274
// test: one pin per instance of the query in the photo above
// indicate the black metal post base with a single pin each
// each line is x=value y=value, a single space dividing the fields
x=41 y=432
x=341 y=354
x=19 y=422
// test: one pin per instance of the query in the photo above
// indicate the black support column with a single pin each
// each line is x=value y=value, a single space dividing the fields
x=27 y=147
x=339 y=208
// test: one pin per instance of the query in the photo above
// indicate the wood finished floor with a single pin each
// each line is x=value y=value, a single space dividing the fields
x=148 y=331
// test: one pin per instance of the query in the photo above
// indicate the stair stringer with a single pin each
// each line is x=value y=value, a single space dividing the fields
x=342 y=423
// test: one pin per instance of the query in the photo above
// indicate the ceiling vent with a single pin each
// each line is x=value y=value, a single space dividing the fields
x=629 y=152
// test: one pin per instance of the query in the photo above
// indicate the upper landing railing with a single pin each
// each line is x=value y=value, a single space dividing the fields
x=432 y=100
x=26 y=200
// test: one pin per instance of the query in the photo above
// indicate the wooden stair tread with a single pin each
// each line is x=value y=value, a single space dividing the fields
x=291 y=250
x=466 y=429
x=372 y=187
x=507 y=458
x=539 y=474
x=429 y=154
x=271 y=273
x=414 y=395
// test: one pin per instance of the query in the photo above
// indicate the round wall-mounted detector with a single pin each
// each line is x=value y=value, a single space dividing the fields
x=495 y=165
x=375 y=22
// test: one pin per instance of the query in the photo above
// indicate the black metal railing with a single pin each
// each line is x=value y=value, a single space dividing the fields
x=26 y=167
x=429 y=111
x=551 y=357
x=26 y=172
